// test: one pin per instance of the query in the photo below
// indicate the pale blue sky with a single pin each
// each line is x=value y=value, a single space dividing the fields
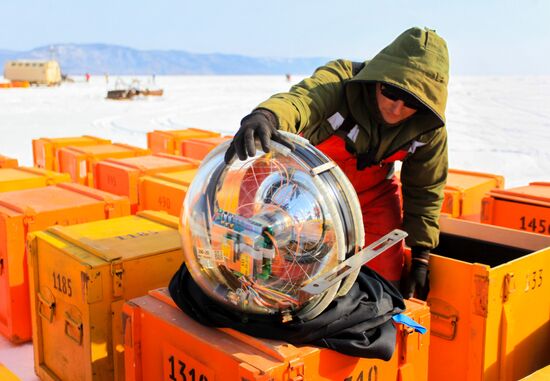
x=484 y=36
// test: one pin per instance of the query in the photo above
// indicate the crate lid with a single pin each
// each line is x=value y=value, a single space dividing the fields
x=20 y=173
x=460 y=180
x=188 y=133
x=147 y=162
x=261 y=353
x=62 y=196
x=121 y=238
x=12 y=179
x=8 y=162
x=160 y=216
x=537 y=193
x=102 y=149
x=14 y=174
x=78 y=140
x=179 y=177
x=209 y=140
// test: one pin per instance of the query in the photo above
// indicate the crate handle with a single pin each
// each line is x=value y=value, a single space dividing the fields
x=50 y=305
x=1 y=266
x=127 y=329
x=69 y=321
x=449 y=319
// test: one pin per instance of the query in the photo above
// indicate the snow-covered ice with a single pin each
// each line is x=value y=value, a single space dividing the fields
x=501 y=125
x=497 y=125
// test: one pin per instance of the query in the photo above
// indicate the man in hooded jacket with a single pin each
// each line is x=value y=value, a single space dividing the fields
x=365 y=116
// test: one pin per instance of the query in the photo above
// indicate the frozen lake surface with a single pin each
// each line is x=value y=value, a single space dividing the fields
x=498 y=125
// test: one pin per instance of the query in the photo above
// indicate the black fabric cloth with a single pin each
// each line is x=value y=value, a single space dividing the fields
x=356 y=324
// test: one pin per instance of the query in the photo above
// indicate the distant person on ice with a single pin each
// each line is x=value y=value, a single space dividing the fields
x=366 y=116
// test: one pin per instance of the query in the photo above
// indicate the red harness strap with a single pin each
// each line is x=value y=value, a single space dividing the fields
x=379 y=198
x=398 y=156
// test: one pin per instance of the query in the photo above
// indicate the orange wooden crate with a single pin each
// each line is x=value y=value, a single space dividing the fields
x=162 y=343
x=168 y=141
x=45 y=150
x=165 y=191
x=524 y=208
x=8 y=162
x=20 y=84
x=199 y=148
x=121 y=176
x=489 y=301
x=80 y=276
x=12 y=179
x=80 y=162
x=465 y=190
x=29 y=210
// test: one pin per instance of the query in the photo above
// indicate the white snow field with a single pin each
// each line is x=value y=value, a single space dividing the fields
x=497 y=125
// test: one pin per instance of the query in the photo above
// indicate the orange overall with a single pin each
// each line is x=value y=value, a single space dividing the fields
x=379 y=199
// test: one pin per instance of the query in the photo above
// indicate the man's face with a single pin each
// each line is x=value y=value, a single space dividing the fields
x=392 y=111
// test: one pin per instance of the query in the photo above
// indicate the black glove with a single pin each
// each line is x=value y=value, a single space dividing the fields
x=261 y=124
x=418 y=279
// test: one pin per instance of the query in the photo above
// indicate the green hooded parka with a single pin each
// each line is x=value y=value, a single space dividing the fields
x=416 y=61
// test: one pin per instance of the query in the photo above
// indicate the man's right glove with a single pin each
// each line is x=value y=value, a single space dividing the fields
x=261 y=124
x=418 y=279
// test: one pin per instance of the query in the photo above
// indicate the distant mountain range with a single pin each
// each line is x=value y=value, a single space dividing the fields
x=120 y=60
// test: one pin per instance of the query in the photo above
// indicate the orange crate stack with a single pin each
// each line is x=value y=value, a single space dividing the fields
x=199 y=148
x=465 y=190
x=30 y=210
x=80 y=162
x=8 y=162
x=165 y=191
x=162 y=343
x=121 y=176
x=45 y=150
x=524 y=208
x=12 y=179
x=168 y=141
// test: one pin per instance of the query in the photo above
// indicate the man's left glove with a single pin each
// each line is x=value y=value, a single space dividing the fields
x=417 y=282
x=261 y=124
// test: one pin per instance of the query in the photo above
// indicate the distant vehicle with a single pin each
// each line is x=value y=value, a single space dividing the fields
x=123 y=91
x=123 y=94
x=35 y=72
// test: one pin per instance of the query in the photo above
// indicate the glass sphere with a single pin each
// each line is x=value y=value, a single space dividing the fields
x=254 y=232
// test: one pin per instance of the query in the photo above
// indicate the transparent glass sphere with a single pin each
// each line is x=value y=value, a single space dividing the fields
x=256 y=231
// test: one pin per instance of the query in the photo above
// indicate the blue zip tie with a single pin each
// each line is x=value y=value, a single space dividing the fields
x=405 y=320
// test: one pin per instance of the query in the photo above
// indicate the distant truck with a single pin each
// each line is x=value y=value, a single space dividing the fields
x=35 y=72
